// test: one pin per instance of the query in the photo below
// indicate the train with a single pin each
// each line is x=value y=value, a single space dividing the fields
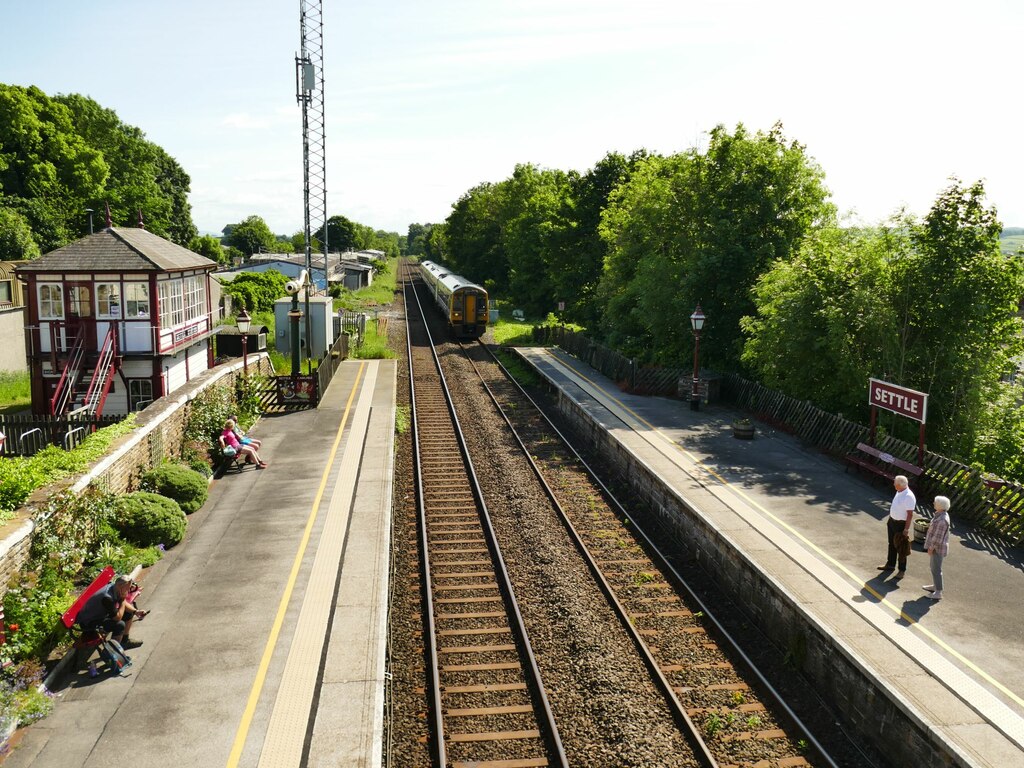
x=463 y=303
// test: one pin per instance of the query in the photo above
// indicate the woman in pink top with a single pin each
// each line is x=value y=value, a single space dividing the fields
x=228 y=439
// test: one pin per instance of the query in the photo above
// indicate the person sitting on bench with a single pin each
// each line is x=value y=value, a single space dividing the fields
x=229 y=440
x=243 y=438
x=109 y=611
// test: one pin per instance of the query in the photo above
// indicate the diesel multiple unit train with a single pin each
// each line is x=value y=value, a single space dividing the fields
x=463 y=302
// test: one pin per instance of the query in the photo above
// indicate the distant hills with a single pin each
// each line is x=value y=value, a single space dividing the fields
x=1011 y=240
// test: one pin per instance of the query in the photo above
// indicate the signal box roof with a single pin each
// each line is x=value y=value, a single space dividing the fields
x=119 y=250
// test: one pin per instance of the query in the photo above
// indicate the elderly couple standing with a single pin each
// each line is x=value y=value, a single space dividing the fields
x=900 y=520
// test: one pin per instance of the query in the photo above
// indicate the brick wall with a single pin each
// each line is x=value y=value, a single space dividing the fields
x=159 y=436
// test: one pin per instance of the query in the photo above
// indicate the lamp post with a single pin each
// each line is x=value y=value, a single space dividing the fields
x=243 y=321
x=697 y=323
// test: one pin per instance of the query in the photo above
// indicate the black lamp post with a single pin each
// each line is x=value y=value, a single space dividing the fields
x=697 y=323
x=243 y=321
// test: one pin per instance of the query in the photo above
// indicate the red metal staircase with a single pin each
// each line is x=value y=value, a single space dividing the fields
x=73 y=393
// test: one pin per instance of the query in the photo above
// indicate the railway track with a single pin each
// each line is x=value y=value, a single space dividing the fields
x=730 y=713
x=489 y=708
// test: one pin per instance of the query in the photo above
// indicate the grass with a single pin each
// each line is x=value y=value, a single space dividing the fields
x=1012 y=244
x=15 y=391
x=380 y=294
x=374 y=346
x=519 y=370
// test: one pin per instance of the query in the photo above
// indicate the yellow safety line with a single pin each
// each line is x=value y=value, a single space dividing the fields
x=853 y=577
x=261 y=673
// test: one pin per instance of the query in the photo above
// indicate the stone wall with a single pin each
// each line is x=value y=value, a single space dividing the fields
x=820 y=658
x=159 y=436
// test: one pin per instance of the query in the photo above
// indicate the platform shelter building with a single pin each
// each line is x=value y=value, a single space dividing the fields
x=114 y=321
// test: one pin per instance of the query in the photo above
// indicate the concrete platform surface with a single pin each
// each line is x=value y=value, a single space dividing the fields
x=276 y=600
x=820 y=532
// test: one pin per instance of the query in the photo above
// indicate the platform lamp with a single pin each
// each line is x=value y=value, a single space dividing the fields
x=243 y=322
x=697 y=323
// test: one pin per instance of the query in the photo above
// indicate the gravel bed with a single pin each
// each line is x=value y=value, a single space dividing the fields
x=608 y=711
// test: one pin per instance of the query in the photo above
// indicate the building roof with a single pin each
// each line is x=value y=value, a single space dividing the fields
x=119 y=250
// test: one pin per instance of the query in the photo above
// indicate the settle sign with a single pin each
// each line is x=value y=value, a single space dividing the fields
x=905 y=402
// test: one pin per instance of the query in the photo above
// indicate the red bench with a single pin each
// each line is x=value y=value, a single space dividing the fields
x=880 y=463
x=83 y=638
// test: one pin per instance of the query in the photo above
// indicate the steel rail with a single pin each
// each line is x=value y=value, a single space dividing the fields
x=545 y=717
x=660 y=559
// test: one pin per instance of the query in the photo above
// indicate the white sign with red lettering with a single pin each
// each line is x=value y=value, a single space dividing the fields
x=905 y=402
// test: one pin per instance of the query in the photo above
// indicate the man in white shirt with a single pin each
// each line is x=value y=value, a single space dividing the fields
x=900 y=519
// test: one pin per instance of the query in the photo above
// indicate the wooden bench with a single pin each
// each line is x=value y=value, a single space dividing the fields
x=881 y=463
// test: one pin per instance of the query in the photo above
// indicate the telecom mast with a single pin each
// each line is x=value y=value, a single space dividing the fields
x=309 y=92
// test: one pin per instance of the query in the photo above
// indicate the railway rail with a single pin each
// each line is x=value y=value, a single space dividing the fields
x=731 y=714
x=489 y=708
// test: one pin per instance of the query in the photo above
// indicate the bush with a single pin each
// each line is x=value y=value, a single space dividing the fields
x=176 y=481
x=32 y=609
x=147 y=519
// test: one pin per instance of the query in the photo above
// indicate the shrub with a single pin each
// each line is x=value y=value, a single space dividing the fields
x=146 y=519
x=32 y=609
x=21 y=701
x=178 y=482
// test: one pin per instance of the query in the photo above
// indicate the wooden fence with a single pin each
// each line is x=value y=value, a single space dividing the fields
x=624 y=371
x=26 y=435
x=995 y=506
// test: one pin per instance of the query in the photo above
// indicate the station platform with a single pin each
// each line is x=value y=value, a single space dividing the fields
x=266 y=642
x=955 y=666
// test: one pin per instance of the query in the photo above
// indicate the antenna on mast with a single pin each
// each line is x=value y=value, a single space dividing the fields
x=309 y=92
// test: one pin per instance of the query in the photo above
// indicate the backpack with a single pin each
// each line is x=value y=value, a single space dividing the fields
x=113 y=656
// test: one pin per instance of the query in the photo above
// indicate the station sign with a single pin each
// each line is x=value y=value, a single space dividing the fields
x=891 y=397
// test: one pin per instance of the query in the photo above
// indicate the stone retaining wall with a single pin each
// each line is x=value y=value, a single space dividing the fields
x=158 y=436
x=847 y=687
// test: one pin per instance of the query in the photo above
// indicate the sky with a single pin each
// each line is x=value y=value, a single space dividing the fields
x=425 y=100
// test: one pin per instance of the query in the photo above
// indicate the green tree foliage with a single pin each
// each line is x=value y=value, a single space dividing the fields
x=48 y=172
x=341 y=234
x=210 y=247
x=257 y=291
x=931 y=305
x=824 y=321
x=251 y=235
x=958 y=298
x=473 y=237
x=16 y=241
x=533 y=224
x=61 y=155
x=701 y=227
x=576 y=264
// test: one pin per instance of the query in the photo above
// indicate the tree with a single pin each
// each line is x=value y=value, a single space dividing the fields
x=958 y=298
x=701 y=228
x=252 y=235
x=930 y=305
x=473 y=236
x=576 y=261
x=16 y=241
x=142 y=179
x=341 y=234
x=210 y=247
x=47 y=171
x=257 y=291
x=824 y=322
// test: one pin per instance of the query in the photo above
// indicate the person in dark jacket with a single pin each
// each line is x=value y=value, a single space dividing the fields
x=110 y=611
